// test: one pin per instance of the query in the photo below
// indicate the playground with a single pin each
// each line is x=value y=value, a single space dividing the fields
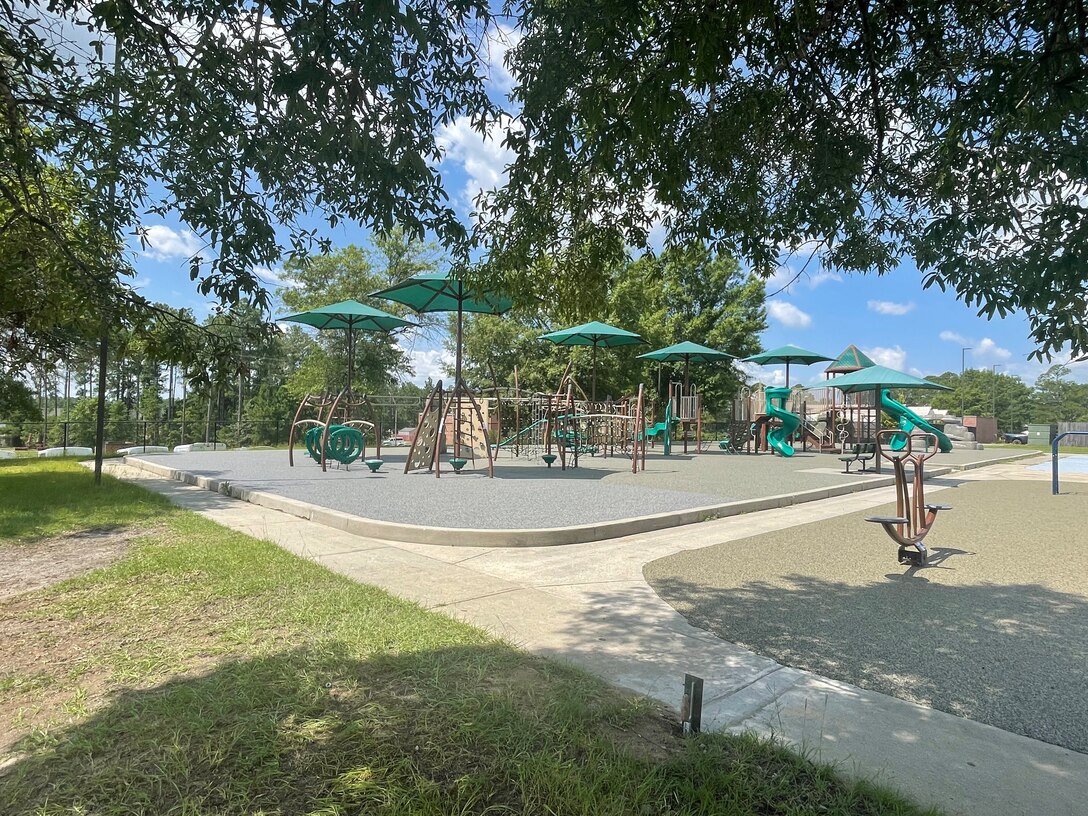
x=526 y=494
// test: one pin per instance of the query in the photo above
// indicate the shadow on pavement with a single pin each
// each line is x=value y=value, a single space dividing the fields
x=1012 y=656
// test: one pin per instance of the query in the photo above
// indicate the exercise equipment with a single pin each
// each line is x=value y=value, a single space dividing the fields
x=913 y=518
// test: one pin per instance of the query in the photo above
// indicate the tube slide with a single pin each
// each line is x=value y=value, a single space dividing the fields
x=776 y=437
x=908 y=421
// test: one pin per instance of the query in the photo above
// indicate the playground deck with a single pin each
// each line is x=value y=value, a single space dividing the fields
x=525 y=495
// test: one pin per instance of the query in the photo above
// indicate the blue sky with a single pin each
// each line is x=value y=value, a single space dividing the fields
x=891 y=318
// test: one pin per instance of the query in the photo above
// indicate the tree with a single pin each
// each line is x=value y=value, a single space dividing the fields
x=983 y=391
x=53 y=275
x=689 y=294
x=350 y=273
x=240 y=118
x=684 y=294
x=1059 y=399
x=951 y=132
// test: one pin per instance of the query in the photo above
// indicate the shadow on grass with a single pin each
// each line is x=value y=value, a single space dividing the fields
x=291 y=732
x=469 y=729
x=1009 y=655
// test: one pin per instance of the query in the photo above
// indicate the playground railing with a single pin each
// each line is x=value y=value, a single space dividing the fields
x=1054 y=458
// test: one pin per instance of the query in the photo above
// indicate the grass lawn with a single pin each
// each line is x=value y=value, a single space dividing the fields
x=206 y=672
x=1062 y=449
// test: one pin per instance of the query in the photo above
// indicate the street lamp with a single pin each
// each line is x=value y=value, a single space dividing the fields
x=993 y=406
x=963 y=353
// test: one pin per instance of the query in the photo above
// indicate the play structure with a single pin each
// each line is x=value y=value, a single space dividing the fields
x=455 y=414
x=764 y=419
x=913 y=518
x=787 y=421
x=334 y=429
x=685 y=404
x=909 y=422
x=564 y=425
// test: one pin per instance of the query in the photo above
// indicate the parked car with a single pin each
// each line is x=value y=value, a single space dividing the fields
x=1016 y=438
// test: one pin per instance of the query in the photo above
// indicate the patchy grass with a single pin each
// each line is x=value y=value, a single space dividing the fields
x=208 y=672
x=1040 y=448
x=48 y=497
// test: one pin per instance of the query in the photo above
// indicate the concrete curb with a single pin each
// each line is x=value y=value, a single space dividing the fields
x=477 y=537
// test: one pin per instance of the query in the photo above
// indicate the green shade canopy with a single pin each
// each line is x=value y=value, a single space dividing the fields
x=442 y=292
x=851 y=359
x=595 y=334
x=878 y=377
x=787 y=355
x=687 y=352
x=349 y=315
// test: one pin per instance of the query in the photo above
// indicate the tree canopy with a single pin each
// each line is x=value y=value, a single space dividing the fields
x=240 y=118
x=952 y=132
x=688 y=294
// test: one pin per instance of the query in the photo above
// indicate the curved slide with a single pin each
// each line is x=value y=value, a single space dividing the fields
x=776 y=437
x=908 y=421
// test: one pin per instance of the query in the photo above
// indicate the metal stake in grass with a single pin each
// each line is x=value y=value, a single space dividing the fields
x=691 y=706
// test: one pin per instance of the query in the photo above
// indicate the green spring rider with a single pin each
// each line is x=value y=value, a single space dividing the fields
x=344 y=445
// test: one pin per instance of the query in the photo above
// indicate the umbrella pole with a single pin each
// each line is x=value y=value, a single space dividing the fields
x=687 y=385
x=457 y=385
x=351 y=355
x=593 y=388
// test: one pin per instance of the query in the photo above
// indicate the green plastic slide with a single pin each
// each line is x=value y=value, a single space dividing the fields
x=908 y=422
x=519 y=434
x=776 y=437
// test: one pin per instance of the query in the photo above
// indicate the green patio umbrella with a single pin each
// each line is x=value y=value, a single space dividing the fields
x=878 y=377
x=444 y=292
x=595 y=334
x=349 y=315
x=687 y=353
x=787 y=355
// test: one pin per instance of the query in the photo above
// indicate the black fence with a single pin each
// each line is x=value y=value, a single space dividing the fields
x=134 y=432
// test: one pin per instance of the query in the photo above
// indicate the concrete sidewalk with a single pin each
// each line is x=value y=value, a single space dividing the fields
x=589 y=604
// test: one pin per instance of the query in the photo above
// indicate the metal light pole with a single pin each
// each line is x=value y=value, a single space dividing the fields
x=963 y=354
x=993 y=398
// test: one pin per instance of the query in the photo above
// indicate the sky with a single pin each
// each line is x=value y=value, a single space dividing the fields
x=891 y=318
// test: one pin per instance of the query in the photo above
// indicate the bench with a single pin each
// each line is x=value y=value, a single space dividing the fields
x=863 y=452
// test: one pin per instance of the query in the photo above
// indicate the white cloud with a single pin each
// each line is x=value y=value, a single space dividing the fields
x=272 y=277
x=163 y=243
x=894 y=357
x=431 y=363
x=788 y=315
x=482 y=156
x=788 y=276
x=501 y=39
x=952 y=337
x=768 y=375
x=890 y=307
x=988 y=349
